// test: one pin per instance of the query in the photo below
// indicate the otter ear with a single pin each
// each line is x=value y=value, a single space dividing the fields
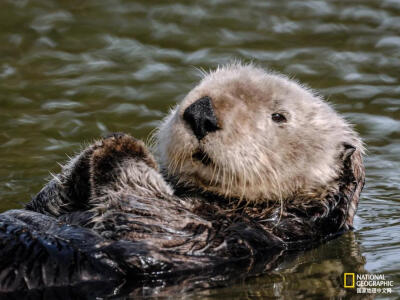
x=348 y=151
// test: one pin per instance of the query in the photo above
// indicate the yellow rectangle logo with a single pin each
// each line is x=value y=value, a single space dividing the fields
x=346 y=275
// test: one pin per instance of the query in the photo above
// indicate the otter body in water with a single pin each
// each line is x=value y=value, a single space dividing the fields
x=252 y=164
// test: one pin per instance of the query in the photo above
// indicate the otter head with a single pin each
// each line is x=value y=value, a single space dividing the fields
x=244 y=133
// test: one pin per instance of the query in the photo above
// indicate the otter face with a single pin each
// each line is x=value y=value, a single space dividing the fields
x=247 y=134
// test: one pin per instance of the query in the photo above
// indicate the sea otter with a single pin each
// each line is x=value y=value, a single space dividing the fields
x=251 y=164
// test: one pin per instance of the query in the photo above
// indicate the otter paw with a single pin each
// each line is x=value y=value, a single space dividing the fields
x=111 y=155
x=117 y=147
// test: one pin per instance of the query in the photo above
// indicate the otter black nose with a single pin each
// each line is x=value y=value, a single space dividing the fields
x=201 y=117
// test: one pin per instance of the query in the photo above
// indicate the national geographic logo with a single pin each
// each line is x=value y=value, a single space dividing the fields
x=368 y=283
x=349 y=280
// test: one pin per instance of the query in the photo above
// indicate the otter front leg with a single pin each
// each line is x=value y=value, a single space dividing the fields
x=108 y=165
x=69 y=190
x=121 y=163
x=317 y=219
x=123 y=179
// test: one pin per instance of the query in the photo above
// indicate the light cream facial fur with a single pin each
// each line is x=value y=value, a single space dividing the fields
x=252 y=157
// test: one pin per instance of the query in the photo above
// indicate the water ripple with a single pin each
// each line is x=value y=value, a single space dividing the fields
x=71 y=71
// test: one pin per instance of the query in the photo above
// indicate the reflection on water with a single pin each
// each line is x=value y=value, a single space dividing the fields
x=73 y=70
x=315 y=274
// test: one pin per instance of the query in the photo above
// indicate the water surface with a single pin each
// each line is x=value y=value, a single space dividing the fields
x=71 y=71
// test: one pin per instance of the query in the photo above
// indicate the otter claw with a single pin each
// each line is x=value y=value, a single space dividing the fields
x=116 y=135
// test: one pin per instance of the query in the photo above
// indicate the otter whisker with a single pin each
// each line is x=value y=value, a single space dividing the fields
x=213 y=173
x=202 y=71
x=244 y=181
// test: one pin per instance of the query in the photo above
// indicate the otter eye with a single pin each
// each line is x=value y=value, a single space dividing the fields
x=278 y=118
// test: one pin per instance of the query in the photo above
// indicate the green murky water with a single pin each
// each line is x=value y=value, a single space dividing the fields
x=73 y=70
